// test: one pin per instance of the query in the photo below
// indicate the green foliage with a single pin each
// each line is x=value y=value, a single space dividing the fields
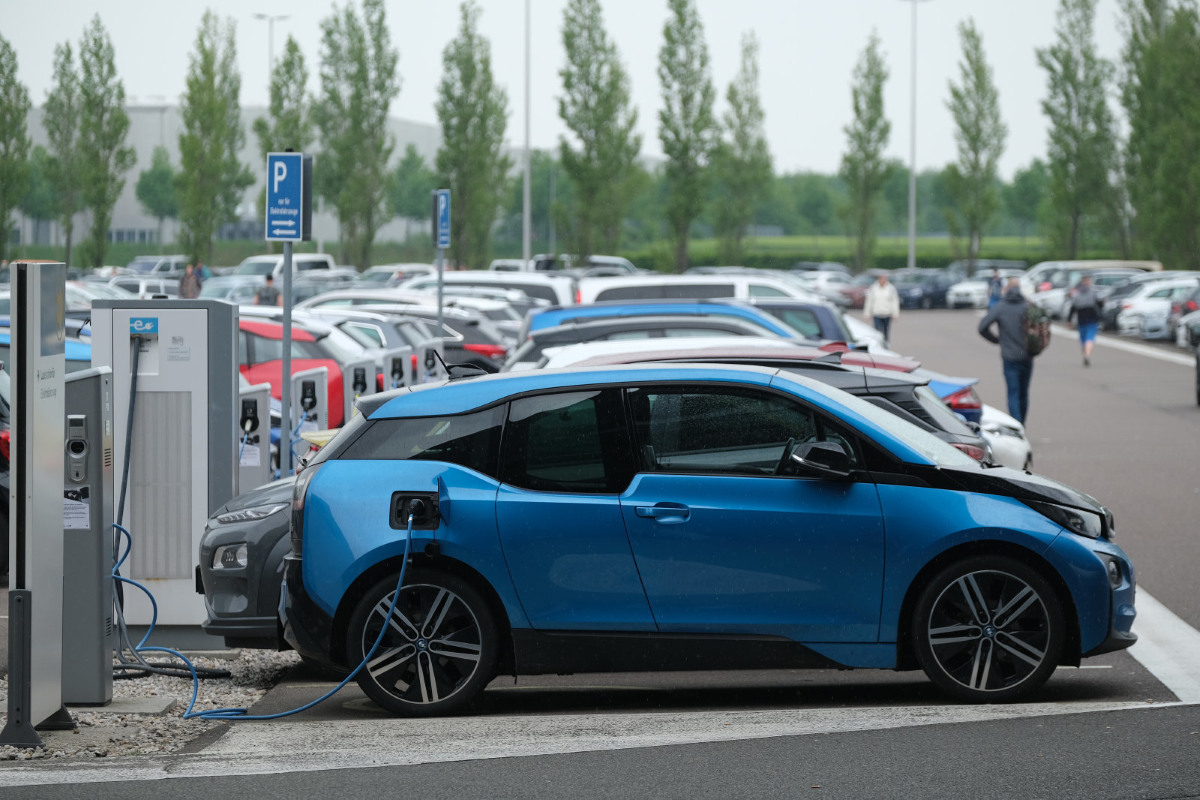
x=743 y=162
x=686 y=125
x=412 y=185
x=864 y=169
x=14 y=140
x=156 y=190
x=289 y=124
x=979 y=135
x=550 y=192
x=1082 y=149
x=39 y=201
x=1023 y=198
x=359 y=81
x=473 y=112
x=1160 y=90
x=104 y=158
x=61 y=118
x=597 y=109
x=211 y=179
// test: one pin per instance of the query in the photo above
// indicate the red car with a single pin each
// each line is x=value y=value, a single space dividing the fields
x=260 y=353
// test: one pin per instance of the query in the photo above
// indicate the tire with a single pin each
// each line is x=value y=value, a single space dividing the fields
x=432 y=671
x=969 y=650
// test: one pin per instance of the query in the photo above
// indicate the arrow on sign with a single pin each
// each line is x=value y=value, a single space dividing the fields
x=289 y=222
x=282 y=233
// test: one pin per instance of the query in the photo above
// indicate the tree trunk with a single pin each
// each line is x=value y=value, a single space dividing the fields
x=67 y=231
x=160 y=241
x=681 y=250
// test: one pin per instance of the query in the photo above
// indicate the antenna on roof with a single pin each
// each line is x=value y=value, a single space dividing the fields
x=830 y=358
x=457 y=372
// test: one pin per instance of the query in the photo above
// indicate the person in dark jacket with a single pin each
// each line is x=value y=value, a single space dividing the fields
x=189 y=284
x=1086 y=306
x=1008 y=316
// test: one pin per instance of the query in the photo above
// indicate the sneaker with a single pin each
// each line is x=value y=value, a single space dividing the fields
x=1086 y=361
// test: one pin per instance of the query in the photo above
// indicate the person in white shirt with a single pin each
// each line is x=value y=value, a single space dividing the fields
x=882 y=305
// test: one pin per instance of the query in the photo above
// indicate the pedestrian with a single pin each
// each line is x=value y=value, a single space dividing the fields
x=1009 y=317
x=189 y=284
x=267 y=294
x=882 y=305
x=205 y=272
x=1085 y=306
x=995 y=288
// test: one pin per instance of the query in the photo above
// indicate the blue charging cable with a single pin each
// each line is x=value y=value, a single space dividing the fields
x=239 y=714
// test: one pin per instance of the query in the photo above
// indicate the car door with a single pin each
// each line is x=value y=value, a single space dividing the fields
x=565 y=458
x=728 y=539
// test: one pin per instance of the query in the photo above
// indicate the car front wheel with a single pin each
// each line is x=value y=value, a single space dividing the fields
x=988 y=629
x=440 y=649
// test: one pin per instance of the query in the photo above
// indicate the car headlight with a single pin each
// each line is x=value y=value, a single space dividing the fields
x=251 y=514
x=231 y=556
x=1084 y=523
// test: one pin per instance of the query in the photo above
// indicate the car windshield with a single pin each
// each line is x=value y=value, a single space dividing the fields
x=253 y=267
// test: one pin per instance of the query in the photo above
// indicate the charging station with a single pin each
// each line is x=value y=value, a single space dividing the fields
x=358 y=380
x=429 y=366
x=254 y=435
x=310 y=400
x=183 y=446
x=397 y=365
x=35 y=502
x=87 y=619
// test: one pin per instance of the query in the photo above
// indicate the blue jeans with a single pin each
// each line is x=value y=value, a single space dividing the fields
x=1017 y=375
x=883 y=325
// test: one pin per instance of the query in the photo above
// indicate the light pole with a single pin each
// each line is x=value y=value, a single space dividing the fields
x=526 y=230
x=270 y=18
x=912 y=156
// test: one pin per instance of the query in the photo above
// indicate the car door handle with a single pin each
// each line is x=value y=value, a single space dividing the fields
x=663 y=512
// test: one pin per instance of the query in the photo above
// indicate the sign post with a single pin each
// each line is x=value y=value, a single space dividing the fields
x=441 y=240
x=289 y=218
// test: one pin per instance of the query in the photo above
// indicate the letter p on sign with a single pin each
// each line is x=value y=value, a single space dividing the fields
x=280 y=174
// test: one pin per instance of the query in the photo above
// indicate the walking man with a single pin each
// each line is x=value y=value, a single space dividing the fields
x=189 y=284
x=1009 y=317
x=882 y=305
x=1086 y=306
x=267 y=294
x=995 y=288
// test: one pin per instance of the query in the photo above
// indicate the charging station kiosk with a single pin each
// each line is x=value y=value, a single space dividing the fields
x=358 y=380
x=397 y=365
x=87 y=618
x=310 y=399
x=35 y=503
x=183 y=447
x=429 y=366
x=254 y=437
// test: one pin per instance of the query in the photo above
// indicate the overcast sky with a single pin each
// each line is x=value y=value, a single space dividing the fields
x=808 y=50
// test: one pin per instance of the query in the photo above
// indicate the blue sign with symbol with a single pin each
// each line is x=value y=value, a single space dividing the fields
x=442 y=217
x=285 y=197
x=143 y=325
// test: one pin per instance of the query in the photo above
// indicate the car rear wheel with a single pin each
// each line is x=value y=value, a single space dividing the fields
x=988 y=629
x=439 y=651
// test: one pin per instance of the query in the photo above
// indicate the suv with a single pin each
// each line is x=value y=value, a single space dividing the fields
x=272 y=265
x=669 y=517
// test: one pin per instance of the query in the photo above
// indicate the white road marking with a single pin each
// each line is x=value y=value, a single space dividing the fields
x=258 y=749
x=1168 y=647
x=1129 y=347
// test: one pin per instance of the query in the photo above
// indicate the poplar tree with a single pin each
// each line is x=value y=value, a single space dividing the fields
x=1024 y=196
x=104 y=157
x=686 y=125
x=864 y=169
x=743 y=162
x=979 y=135
x=14 y=141
x=601 y=161
x=289 y=122
x=61 y=118
x=211 y=178
x=156 y=190
x=473 y=112
x=359 y=81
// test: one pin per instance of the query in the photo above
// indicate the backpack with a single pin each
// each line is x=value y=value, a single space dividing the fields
x=1037 y=329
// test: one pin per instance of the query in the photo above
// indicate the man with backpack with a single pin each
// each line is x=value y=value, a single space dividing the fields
x=1024 y=332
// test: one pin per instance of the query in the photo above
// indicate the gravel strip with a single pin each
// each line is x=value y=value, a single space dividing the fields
x=99 y=734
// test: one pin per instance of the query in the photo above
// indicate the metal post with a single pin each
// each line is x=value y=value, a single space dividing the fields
x=912 y=160
x=285 y=427
x=441 y=284
x=526 y=223
x=553 y=176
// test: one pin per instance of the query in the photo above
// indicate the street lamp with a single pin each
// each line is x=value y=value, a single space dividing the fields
x=270 y=18
x=527 y=202
x=912 y=158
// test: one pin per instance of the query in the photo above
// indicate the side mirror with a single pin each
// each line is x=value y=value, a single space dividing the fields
x=827 y=460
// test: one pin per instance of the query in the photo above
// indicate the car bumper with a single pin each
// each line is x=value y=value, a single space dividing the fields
x=242 y=602
x=307 y=628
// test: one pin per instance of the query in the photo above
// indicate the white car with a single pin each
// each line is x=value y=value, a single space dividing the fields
x=556 y=289
x=1145 y=311
x=974 y=293
x=271 y=264
x=688 y=287
x=827 y=283
x=1006 y=437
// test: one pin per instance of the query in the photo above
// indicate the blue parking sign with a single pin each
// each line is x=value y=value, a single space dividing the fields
x=441 y=213
x=285 y=197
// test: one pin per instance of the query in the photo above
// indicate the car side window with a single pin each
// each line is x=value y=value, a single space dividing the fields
x=758 y=290
x=243 y=349
x=468 y=440
x=574 y=442
x=724 y=430
x=802 y=321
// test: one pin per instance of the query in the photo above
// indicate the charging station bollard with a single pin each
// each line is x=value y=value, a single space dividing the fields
x=397 y=367
x=429 y=366
x=358 y=380
x=254 y=437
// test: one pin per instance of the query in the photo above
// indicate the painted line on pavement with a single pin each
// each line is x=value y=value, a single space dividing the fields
x=1128 y=347
x=1168 y=648
x=253 y=749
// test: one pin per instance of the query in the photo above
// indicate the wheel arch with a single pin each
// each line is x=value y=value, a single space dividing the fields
x=905 y=657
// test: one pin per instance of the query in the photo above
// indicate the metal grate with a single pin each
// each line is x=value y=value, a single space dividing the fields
x=160 y=483
x=108 y=455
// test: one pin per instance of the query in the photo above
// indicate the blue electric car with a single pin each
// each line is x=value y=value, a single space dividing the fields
x=675 y=517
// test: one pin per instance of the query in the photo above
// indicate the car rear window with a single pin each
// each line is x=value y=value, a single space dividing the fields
x=468 y=440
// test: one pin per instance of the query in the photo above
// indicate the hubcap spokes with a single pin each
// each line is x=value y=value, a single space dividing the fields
x=989 y=631
x=431 y=648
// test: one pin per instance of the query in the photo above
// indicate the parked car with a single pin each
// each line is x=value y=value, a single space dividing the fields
x=603 y=516
x=819 y=266
x=984 y=267
x=607 y=265
x=557 y=289
x=1144 y=313
x=829 y=284
x=393 y=274
x=260 y=348
x=856 y=292
x=1038 y=277
x=686 y=287
x=958 y=393
x=1006 y=438
x=552 y=316
x=159 y=266
x=973 y=292
x=818 y=321
x=144 y=288
x=271 y=264
x=236 y=289
x=1056 y=301
x=922 y=288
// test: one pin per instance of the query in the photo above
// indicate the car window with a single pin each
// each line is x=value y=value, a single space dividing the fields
x=570 y=442
x=1162 y=293
x=717 y=430
x=243 y=349
x=256 y=267
x=366 y=335
x=305 y=266
x=759 y=290
x=272 y=349
x=802 y=320
x=469 y=440
x=941 y=414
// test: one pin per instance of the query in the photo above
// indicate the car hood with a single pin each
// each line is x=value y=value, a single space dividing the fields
x=1019 y=485
x=279 y=491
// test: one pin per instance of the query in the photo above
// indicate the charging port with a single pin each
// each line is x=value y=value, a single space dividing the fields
x=427 y=516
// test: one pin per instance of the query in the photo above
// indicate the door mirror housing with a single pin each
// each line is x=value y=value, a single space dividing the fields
x=826 y=460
